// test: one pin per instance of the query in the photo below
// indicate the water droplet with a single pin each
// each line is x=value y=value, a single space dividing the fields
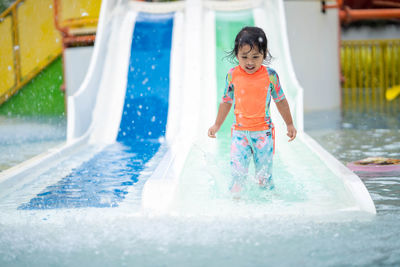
x=145 y=81
x=153 y=119
x=140 y=106
x=149 y=133
x=139 y=113
x=84 y=14
x=153 y=67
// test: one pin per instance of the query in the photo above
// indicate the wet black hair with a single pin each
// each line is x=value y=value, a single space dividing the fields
x=254 y=37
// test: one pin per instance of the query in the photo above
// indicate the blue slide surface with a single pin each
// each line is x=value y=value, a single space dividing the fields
x=103 y=181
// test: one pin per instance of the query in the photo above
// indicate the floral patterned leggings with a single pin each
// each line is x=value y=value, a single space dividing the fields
x=256 y=144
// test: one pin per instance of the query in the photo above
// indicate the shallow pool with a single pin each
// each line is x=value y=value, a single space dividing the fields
x=129 y=236
x=24 y=137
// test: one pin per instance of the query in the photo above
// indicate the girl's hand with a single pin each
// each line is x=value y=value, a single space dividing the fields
x=291 y=132
x=213 y=130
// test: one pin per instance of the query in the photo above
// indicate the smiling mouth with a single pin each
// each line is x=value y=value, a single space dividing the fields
x=250 y=68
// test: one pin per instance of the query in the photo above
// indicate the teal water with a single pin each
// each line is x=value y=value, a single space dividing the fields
x=129 y=236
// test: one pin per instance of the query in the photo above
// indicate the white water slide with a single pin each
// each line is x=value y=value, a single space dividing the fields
x=137 y=126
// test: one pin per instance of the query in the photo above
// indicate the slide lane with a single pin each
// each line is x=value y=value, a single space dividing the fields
x=104 y=179
x=306 y=183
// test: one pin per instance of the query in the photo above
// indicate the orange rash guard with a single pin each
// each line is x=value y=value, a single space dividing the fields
x=251 y=94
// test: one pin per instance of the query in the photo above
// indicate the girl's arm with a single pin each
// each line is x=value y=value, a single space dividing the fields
x=223 y=111
x=284 y=110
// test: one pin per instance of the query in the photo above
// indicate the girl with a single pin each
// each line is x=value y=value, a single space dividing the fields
x=250 y=86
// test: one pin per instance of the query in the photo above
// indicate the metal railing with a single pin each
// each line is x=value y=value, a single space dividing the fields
x=370 y=68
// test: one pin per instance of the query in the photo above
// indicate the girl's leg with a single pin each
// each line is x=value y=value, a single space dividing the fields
x=263 y=147
x=240 y=159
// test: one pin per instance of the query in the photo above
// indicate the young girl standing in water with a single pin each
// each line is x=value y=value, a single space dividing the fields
x=250 y=86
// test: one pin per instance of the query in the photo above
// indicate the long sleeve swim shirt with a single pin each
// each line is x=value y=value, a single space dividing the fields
x=251 y=96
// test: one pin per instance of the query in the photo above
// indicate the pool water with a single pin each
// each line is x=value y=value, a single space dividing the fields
x=129 y=236
x=354 y=136
x=24 y=137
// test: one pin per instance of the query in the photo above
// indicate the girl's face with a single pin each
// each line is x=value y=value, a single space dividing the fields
x=250 y=59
